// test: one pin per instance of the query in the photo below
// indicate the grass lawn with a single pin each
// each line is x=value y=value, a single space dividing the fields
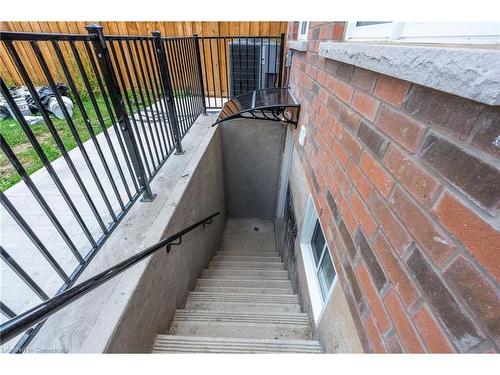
x=18 y=141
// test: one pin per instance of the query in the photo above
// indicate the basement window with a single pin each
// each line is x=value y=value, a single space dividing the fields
x=303 y=29
x=320 y=271
x=425 y=32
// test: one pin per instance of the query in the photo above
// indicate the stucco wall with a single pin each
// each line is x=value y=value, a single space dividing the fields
x=252 y=160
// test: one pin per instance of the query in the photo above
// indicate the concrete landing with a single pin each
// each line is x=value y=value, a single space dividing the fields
x=249 y=236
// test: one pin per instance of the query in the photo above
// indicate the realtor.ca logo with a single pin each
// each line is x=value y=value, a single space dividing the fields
x=35 y=350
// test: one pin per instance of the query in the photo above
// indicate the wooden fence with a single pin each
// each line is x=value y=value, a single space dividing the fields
x=9 y=73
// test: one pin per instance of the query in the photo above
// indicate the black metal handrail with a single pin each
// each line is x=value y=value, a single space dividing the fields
x=44 y=310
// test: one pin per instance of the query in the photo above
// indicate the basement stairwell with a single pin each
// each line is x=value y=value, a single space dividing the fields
x=243 y=302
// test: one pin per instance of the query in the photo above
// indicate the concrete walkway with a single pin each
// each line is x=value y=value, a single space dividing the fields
x=14 y=292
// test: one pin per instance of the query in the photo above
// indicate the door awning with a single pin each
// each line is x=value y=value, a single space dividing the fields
x=274 y=104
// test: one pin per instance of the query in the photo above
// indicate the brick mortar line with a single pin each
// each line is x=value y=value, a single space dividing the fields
x=383 y=158
x=437 y=194
x=462 y=251
x=456 y=295
x=376 y=328
x=387 y=288
x=389 y=334
x=484 y=215
x=415 y=307
x=425 y=302
x=359 y=260
x=426 y=213
x=493 y=221
x=475 y=129
x=381 y=103
x=429 y=127
x=442 y=326
x=440 y=273
x=411 y=322
x=471 y=313
x=404 y=269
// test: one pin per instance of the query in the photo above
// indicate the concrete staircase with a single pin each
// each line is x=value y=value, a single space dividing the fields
x=243 y=303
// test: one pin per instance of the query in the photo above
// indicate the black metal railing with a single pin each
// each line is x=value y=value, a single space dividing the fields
x=134 y=98
x=44 y=310
x=185 y=73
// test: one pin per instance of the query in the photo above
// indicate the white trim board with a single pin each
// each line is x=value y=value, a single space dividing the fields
x=426 y=32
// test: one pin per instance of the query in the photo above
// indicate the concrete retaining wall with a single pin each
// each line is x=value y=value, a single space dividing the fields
x=126 y=313
x=168 y=278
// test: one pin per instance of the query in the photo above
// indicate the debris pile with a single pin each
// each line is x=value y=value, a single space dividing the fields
x=26 y=104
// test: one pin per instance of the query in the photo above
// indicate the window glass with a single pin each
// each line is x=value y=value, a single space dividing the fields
x=317 y=242
x=303 y=28
x=326 y=273
x=319 y=270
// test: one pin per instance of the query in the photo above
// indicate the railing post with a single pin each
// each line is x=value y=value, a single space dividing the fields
x=106 y=67
x=198 y=61
x=168 y=91
x=282 y=60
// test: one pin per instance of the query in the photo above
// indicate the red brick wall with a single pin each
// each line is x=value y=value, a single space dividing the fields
x=406 y=182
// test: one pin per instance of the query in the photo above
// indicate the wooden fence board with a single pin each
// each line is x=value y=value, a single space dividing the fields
x=214 y=74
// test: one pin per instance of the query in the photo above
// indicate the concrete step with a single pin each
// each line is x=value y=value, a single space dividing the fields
x=240 y=330
x=243 y=298
x=224 y=323
x=250 y=307
x=242 y=317
x=245 y=274
x=213 y=289
x=239 y=283
x=246 y=258
x=188 y=344
x=246 y=265
x=244 y=302
x=236 y=252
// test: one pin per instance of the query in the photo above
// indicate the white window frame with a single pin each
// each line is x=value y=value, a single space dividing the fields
x=318 y=303
x=426 y=32
x=300 y=35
